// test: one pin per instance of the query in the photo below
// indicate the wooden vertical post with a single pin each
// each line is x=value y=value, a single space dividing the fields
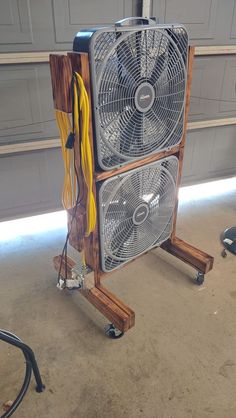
x=80 y=64
x=61 y=72
x=196 y=258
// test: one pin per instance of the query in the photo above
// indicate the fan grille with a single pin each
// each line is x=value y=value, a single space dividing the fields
x=136 y=211
x=131 y=68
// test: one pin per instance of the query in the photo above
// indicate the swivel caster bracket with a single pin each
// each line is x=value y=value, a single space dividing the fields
x=112 y=332
x=199 y=279
x=224 y=253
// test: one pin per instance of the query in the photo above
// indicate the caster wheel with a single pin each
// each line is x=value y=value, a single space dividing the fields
x=199 y=279
x=224 y=253
x=113 y=332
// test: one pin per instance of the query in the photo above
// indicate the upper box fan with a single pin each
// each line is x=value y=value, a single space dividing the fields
x=138 y=88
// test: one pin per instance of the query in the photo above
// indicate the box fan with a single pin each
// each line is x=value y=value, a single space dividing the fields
x=136 y=211
x=138 y=85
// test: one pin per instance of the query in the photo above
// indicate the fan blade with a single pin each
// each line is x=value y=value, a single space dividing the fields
x=156 y=227
x=112 y=99
x=158 y=68
x=166 y=63
x=128 y=80
x=131 y=134
x=157 y=123
x=136 y=186
x=127 y=60
x=143 y=181
x=140 y=239
x=151 y=185
x=126 y=65
x=116 y=213
x=180 y=42
x=119 y=237
x=138 y=48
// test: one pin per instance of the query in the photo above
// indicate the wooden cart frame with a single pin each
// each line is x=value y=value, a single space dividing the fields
x=123 y=318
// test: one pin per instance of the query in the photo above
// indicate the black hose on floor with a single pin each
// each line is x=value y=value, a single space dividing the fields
x=30 y=363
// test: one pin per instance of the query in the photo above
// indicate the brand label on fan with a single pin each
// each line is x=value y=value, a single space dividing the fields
x=140 y=214
x=144 y=97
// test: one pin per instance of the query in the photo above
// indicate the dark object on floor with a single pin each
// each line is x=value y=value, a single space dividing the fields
x=30 y=363
x=112 y=332
x=199 y=279
x=228 y=239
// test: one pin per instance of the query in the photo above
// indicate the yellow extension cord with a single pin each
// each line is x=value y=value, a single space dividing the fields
x=69 y=186
x=81 y=104
x=86 y=152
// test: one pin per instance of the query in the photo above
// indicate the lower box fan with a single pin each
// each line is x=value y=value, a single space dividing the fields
x=136 y=211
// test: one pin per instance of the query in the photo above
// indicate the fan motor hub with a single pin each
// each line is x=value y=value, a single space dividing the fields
x=140 y=214
x=144 y=97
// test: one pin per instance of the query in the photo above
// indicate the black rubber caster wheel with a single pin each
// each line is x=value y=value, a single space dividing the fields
x=223 y=253
x=113 y=332
x=199 y=279
x=228 y=239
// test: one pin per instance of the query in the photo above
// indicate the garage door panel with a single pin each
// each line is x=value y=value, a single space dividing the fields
x=20 y=182
x=201 y=88
x=26 y=102
x=198 y=16
x=210 y=153
x=223 y=157
x=197 y=154
x=19 y=101
x=209 y=22
x=32 y=25
x=213 y=92
x=227 y=104
x=30 y=183
x=72 y=15
x=15 y=22
x=233 y=23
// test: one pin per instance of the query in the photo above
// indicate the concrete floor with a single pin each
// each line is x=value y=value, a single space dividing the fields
x=177 y=362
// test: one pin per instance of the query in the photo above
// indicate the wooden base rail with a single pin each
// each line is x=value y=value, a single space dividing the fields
x=108 y=304
x=113 y=308
x=197 y=259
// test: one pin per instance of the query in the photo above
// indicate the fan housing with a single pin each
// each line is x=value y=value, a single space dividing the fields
x=138 y=89
x=136 y=211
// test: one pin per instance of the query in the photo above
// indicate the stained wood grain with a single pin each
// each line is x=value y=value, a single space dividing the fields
x=77 y=226
x=108 y=304
x=134 y=164
x=194 y=257
x=61 y=73
x=108 y=307
x=119 y=303
x=80 y=64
